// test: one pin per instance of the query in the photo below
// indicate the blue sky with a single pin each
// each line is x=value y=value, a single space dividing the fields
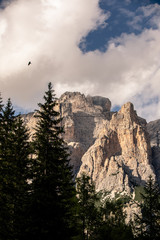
x=97 y=47
x=125 y=17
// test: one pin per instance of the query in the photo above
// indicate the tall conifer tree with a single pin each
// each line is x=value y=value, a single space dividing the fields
x=89 y=214
x=6 y=172
x=14 y=153
x=23 y=166
x=148 y=225
x=53 y=190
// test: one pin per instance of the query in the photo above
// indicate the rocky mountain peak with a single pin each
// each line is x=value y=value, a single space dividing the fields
x=112 y=147
x=120 y=158
x=79 y=102
x=132 y=135
x=127 y=108
x=105 y=103
x=125 y=116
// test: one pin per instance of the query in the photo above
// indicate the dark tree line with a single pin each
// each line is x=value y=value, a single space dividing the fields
x=39 y=199
x=37 y=193
x=148 y=223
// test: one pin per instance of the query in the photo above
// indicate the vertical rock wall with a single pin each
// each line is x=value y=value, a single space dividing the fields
x=120 y=158
x=113 y=148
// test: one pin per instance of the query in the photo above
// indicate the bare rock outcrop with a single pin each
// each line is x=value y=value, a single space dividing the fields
x=120 y=158
x=113 y=148
x=30 y=122
x=153 y=129
x=83 y=120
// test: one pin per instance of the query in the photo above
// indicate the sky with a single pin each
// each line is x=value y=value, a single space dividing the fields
x=109 y=48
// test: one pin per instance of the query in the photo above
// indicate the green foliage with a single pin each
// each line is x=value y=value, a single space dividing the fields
x=148 y=225
x=100 y=217
x=53 y=195
x=14 y=153
x=139 y=190
x=89 y=207
x=23 y=174
x=113 y=226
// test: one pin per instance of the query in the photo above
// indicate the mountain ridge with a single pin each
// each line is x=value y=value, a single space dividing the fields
x=116 y=149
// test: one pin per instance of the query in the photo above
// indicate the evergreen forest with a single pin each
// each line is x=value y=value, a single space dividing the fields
x=39 y=198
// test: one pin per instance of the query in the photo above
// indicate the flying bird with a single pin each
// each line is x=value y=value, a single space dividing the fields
x=29 y=63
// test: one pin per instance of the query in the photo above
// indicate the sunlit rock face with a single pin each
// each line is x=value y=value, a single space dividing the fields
x=113 y=148
x=120 y=158
x=30 y=122
x=83 y=120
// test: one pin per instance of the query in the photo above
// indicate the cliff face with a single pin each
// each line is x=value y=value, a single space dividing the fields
x=113 y=148
x=153 y=129
x=121 y=156
x=83 y=120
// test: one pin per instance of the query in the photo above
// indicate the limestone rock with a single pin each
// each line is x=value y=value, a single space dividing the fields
x=83 y=120
x=131 y=209
x=120 y=158
x=153 y=127
x=76 y=152
x=30 y=122
x=113 y=148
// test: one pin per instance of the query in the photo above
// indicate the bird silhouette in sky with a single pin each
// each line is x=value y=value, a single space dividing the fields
x=29 y=63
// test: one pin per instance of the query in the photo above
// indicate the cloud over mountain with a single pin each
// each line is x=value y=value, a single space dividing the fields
x=48 y=34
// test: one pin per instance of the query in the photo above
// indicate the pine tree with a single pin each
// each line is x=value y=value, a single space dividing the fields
x=114 y=226
x=89 y=214
x=6 y=172
x=148 y=224
x=23 y=166
x=1 y=106
x=1 y=111
x=14 y=152
x=53 y=195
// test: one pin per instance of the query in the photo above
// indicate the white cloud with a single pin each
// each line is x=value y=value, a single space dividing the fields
x=150 y=9
x=48 y=33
